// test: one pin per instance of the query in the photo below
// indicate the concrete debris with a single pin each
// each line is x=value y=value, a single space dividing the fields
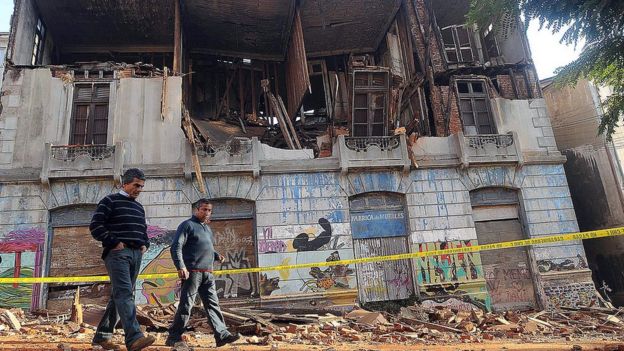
x=410 y=325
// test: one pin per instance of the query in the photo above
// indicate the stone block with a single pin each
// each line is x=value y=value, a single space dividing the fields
x=546 y=142
x=541 y=122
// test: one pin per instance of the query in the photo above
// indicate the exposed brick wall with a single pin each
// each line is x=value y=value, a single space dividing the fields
x=436 y=58
x=523 y=85
x=438 y=110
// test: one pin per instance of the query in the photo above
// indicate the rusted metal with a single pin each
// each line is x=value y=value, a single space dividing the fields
x=298 y=78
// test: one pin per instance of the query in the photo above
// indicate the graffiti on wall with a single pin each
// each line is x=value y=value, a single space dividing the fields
x=21 y=255
x=233 y=240
x=559 y=265
x=461 y=267
x=457 y=295
x=303 y=244
x=456 y=279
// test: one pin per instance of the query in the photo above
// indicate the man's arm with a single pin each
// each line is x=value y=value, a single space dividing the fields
x=98 y=228
x=145 y=237
x=178 y=244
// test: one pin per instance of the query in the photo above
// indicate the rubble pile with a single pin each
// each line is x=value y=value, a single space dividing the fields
x=411 y=325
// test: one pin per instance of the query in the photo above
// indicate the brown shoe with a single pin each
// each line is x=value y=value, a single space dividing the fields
x=141 y=343
x=107 y=344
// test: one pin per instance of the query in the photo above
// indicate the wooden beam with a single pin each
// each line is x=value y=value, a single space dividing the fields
x=91 y=49
x=238 y=54
x=289 y=123
x=241 y=94
x=227 y=93
x=177 y=49
x=253 y=95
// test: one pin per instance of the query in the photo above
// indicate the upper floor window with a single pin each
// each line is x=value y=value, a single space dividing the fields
x=37 y=54
x=474 y=107
x=370 y=103
x=457 y=44
x=89 y=123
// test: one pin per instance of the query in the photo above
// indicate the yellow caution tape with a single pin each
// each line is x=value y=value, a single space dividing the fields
x=602 y=233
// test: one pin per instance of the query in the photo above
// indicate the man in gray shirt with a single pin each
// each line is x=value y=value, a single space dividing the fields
x=193 y=254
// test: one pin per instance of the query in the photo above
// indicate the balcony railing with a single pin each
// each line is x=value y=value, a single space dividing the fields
x=66 y=161
x=371 y=152
x=236 y=155
x=489 y=148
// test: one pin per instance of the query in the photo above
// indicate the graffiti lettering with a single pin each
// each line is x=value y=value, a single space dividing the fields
x=271 y=246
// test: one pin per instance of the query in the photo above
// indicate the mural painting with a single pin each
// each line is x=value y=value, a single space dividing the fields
x=233 y=239
x=457 y=278
x=302 y=244
x=158 y=260
x=21 y=255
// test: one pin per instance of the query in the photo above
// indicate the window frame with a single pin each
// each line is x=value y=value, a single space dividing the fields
x=94 y=100
x=38 y=42
x=472 y=96
x=458 y=47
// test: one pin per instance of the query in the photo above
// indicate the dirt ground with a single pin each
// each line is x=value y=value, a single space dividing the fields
x=50 y=342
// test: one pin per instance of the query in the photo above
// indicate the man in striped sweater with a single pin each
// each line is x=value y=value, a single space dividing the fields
x=119 y=223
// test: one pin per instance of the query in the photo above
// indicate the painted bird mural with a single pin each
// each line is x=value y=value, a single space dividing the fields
x=302 y=241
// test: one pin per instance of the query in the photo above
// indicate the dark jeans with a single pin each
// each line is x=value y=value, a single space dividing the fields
x=202 y=283
x=123 y=268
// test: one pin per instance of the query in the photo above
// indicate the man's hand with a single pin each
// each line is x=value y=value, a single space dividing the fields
x=143 y=249
x=221 y=258
x=119 y=246
x=183 y=274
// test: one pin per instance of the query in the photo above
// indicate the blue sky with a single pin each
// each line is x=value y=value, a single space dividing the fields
x=548 y=54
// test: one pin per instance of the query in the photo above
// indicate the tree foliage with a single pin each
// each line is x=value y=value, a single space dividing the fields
x=599 y=24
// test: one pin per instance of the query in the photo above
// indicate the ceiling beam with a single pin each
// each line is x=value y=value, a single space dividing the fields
x=90 y=49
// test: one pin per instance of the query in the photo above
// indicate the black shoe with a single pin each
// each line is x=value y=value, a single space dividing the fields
x=171 y=342
x=228 y=339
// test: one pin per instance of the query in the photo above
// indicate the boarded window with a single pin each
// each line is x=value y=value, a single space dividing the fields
x=457 y=44
x=474 y=107
x=370 y=103
x=90 y=114
x=379 y=228
x=233 y=228
x=70 y=231
x=507 y=271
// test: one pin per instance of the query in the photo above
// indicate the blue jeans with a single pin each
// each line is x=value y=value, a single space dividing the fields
x=204 y=284
x=123 y=268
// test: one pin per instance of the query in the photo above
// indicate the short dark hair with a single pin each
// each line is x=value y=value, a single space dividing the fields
x=132 y=173
x=203 y=201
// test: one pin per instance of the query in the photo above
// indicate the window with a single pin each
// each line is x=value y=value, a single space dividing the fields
x=370 y=100
x=490 y=43
x=474 y=108
x=37 y=55
x=90 y=114
x=457 y=44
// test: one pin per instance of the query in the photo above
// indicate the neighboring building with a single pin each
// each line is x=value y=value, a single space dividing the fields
x=4 y=40
x=478 y=163
x=594 y=172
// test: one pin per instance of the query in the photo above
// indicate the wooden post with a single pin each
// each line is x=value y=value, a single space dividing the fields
x=241 y=94
x=254 y=115
x=76 y=311
x=289 y=123
x=268 y=114
x=177 y=49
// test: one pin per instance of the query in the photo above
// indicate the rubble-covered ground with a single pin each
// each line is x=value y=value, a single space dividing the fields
x=410 y=328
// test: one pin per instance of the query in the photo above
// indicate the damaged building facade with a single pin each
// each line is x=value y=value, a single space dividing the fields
x=322 y=130
x=594 y=172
